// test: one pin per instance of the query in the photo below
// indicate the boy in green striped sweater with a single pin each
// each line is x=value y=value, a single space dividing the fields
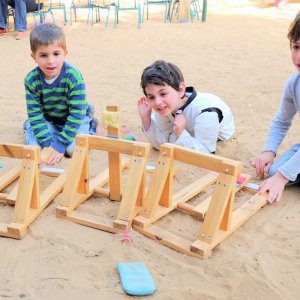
x=55 y=95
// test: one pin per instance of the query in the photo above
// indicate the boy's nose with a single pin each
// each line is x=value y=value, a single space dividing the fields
x=158 y=100
x=51 y=59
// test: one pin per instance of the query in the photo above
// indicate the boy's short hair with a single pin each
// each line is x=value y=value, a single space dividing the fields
x=45 y=34
x=162 y=73
x=294 y=30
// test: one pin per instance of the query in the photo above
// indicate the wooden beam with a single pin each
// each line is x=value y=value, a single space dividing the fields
x=134 y=180
x=206 y=161
x=11 y=150
x=217 y=206
x=111 y=145
x=157 y=183
x=74 y=173
x=9 y=177
x=114 y=160
x=27 y=178
x=166 y=194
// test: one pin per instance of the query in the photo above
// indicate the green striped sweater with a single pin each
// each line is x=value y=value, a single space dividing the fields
x=63 y=103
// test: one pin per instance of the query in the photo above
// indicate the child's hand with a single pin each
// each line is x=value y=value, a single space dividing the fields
x=275 y=185
x=263 y=162
x=52 y=156
x=179 y=124
x=144 y=109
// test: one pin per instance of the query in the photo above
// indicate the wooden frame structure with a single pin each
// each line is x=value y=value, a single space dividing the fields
x=79 y=186
x=219 y=219
x=26 y=196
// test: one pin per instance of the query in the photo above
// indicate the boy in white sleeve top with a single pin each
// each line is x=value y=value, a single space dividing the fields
x=285 y=171
x=173 y=113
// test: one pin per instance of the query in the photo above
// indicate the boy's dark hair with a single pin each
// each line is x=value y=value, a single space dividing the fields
x=162 y=73
x=294 y=30
x=45 y=34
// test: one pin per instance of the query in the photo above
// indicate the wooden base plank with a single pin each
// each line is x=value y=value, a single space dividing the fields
x=190 y=209
x=91 y=221
x=13 y=230
x=121 y=224
x=168 y=239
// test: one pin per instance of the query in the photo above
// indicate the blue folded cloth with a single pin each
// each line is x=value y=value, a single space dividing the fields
x=136 y=279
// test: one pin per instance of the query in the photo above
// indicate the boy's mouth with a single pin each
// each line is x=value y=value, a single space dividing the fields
x=51 y=68
x=161 y=109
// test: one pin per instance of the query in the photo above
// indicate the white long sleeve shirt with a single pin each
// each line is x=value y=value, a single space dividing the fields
x=202 y=130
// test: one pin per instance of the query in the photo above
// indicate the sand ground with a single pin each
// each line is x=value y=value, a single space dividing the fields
x=241 y=55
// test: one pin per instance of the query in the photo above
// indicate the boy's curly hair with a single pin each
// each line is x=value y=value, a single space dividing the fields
x=162 y=73
x=294 y=30
x=45 y=34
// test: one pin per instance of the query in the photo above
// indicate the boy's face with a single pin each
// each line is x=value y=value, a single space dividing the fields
x=295 y=53
x=164 y=99
x=50 y=59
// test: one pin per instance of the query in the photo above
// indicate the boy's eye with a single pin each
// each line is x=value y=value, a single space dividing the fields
x=150 y=98
x=56 y=53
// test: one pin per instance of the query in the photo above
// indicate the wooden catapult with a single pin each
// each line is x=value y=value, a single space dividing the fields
x=219 y=218
x=28 y=200
x=80 y=186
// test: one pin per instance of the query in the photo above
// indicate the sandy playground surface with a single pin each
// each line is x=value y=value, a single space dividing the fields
x=240 y=54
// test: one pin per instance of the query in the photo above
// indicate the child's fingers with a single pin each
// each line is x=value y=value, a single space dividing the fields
x=49 y=162
x=267 y=167
x=274 y=194
x=260 y=167
x=55 y=158
x=262 y=185
x=143 y=100
x=265 y=188
x=279 y=196
x=52 y=160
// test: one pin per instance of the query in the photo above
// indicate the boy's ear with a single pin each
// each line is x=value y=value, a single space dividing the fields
x=182 y=89
x=32 y=55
